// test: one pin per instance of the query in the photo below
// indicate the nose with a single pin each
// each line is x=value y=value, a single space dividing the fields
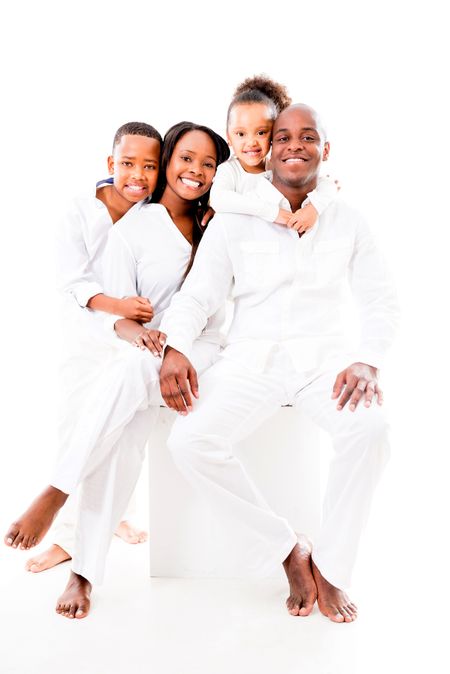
x=295 y=144
x=137 y=171
x=196 y=168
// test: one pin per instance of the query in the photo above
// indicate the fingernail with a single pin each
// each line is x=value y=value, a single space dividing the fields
x=339 y=407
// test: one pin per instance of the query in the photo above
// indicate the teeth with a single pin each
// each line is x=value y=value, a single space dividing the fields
x=135 y=188
x=294 y=160
x=190 y=183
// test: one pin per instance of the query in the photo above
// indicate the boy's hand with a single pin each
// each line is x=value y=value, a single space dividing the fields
x=178 y=379
x=283 y=217
x=153 y=340
x=359 y=380
x=303 y=219
x=207 y=217
x=137 y=308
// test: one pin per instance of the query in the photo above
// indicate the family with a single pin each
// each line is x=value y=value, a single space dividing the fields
x=147 y=263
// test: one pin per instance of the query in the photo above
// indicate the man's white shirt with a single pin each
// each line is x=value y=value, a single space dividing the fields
x=287 y=289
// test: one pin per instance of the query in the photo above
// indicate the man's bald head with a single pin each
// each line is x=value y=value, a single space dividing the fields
x=307 y=110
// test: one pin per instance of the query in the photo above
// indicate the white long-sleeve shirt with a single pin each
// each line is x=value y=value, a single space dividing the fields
x=236 y=191
x=288 y=290
x=147 y=255
x=80 y=242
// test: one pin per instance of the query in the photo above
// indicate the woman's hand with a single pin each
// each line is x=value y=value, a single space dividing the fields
x=137 y=308
x=153 y=340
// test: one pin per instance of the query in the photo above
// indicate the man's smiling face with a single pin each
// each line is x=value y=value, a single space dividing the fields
x=298 y=146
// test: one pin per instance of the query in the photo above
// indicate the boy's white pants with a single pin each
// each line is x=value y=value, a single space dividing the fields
x=104 y=448
x=233 y=402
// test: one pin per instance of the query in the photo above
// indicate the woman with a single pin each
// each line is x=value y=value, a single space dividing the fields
x=148 y=254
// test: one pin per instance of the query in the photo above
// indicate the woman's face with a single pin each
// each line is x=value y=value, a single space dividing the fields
x=192 y=166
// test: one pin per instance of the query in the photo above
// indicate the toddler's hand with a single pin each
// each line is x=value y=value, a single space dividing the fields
x=303 y=219
x=283 y=217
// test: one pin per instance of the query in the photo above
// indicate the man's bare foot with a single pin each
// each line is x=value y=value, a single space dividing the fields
x=31 y=528
x=48 y=559
x=75 y=601
x=301 y=581
x=333 y=603
x=130 y=534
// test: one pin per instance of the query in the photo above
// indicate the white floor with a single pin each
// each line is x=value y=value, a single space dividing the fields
x=169 y=626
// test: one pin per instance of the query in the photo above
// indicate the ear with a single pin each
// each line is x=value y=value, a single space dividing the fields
x=326 y=151
x=111 y=165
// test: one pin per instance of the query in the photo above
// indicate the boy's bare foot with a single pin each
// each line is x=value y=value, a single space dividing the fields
x=75 y=601
x=31 y=528
x=130 y=534
x=301 y=581
x=48 y=559
x=333 y=603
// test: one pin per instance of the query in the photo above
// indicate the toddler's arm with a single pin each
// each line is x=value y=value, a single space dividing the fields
x=226 y=199
x=321 y=197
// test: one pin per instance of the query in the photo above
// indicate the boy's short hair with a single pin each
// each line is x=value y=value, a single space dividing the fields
x=136 y=129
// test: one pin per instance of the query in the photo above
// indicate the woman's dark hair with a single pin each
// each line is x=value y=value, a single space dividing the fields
x=173 y=135
x=261 y=89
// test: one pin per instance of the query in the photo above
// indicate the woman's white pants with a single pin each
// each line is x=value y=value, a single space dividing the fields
x=104 y=447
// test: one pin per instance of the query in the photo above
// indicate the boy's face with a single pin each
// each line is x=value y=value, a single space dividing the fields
x=248 y=133
x=135 y=166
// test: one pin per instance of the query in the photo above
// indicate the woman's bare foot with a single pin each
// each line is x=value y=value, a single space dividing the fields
x=130 y=534
x=31 y=528
x=333 y=603
x=75 y=601
x=48 y=559
x=301 y=581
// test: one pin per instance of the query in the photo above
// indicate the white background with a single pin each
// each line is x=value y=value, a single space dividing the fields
x=378 y=72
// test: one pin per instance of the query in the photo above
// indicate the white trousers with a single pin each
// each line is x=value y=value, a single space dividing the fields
x=233 y=402
x=104 y=449
x=87 y=348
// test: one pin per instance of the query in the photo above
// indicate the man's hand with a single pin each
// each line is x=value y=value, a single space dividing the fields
x=359 y=380
x=178 y=380
x=153 y=340
x=137 y=308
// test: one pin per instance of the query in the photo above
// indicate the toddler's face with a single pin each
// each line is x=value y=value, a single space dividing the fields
x=249 y=134
x=135 y=166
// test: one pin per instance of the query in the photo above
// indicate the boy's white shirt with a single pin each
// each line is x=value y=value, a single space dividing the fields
x=288 y=290
x=80 y=242
x=236 y=191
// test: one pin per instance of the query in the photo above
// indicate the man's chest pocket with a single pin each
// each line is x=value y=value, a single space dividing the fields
x=260 y=262
x=331 y=259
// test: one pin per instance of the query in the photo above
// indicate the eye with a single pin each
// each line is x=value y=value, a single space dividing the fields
x=126 y=163
x=281 y=139
x=262 y=133
x=210 y=166
x=185 y=158
x=150 y=167
x=240 y=134
x=309 y=139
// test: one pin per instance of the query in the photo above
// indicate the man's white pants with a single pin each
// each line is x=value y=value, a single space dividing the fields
x=233 y=402
x=104 y=449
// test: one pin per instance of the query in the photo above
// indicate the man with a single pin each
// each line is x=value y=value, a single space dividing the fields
x=286 y=343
